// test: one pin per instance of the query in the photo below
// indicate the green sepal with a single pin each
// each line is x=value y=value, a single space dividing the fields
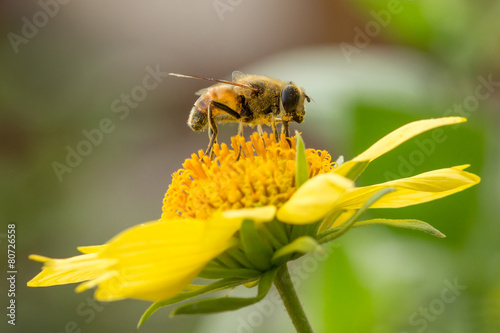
x=228 y=261
x=273 y=241
x=257 y=251
x=301 y=164
x=332 y=234
x=352 y=169
x=278 y=230
x=328 y=221
x=302 y=245
x=238 y=255
x=218 y=285
x=297 y=230
x=407 y=224
x=221 y=272
x=228 y=303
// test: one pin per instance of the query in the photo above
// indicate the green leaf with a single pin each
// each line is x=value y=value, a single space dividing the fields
x=301 y=164
x=257 y=251
x=408 y=224
x=228 y=303
x=302 y=244
x=218 y=285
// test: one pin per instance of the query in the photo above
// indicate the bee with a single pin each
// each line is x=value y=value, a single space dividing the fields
x=248 y=99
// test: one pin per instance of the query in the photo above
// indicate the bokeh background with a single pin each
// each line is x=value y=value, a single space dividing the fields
x=370 y=67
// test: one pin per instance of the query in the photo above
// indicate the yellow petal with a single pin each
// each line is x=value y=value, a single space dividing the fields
x=157 y=260
x=258 y=214
x=151 y=261
x=91 y=249
x=314 y=199
x=71 y=270
x=414 y=190
x=355 y=167
x=344 y=217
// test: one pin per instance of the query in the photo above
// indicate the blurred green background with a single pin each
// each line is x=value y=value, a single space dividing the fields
x=370 y=67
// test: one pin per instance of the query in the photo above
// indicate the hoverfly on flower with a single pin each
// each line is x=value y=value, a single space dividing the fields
x=247 y=99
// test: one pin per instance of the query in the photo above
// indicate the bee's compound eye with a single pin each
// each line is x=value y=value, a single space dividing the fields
x=290 y=97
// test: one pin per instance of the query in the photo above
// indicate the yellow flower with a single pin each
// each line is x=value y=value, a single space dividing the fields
x=239 y=216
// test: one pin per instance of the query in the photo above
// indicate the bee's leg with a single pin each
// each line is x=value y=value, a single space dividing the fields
x=275 y=129
x=213 y=126
x=240 y=128
x=259 y=129
x=240 y=133
x=229 y=111
x=212 y=132
x=226 y=109
x=286 y=132
x=284 y=129
x=261 y=133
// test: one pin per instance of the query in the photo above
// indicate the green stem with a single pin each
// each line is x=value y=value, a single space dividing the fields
x=284 y=284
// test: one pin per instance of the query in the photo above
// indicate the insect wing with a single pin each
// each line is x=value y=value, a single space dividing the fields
x=201 y=92
x=237 y=75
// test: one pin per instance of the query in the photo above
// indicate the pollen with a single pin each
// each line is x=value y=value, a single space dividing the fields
x=262 y=174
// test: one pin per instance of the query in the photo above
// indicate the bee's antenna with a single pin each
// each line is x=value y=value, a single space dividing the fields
x=216 y=80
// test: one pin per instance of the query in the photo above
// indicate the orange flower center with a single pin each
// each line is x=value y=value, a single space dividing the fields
x=264 y=174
